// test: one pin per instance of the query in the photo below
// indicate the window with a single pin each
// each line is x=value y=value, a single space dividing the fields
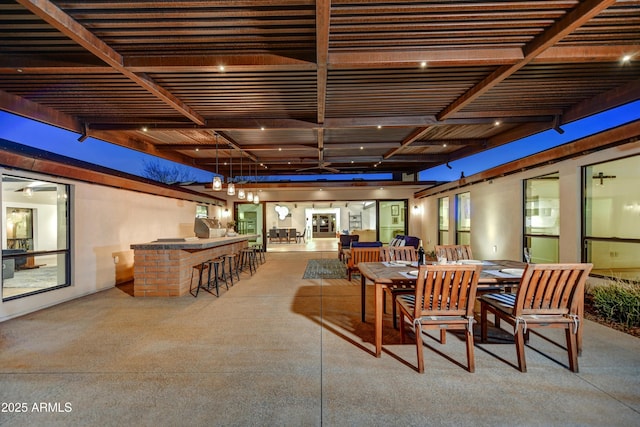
x=35 y=236
x=392 y=219
x=202 y=211
x=611 y=212
x=542 y=218
x=463 y=218
x=443 y=220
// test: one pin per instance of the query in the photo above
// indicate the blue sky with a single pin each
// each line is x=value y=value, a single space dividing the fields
x=50 y=138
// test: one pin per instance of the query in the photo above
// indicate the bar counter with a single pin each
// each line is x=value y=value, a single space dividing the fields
x=163 y=268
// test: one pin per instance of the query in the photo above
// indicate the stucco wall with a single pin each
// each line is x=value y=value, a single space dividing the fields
x=496 y=205
x=105 y=222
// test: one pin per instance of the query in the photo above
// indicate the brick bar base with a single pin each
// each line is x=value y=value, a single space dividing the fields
x=167 y=272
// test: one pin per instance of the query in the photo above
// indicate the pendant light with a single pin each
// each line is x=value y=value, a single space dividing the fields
x=217 y=181
x=231 y=188
x=241 y=194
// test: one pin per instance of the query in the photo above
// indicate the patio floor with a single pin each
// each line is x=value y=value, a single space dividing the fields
x=277 y=349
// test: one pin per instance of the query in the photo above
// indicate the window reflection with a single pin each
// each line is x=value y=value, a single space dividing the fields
x=35 y=249
x=542 y=218
x=611 y=218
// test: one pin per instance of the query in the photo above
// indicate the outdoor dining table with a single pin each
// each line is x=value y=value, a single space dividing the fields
x=383 y=274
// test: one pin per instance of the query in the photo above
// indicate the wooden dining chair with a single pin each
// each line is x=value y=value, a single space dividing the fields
x=397 y=253
x=361 y=254
x=443 y=299
x=454 y=252
x=548 y=296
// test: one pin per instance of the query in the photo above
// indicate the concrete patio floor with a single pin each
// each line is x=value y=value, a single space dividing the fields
x=277 y=349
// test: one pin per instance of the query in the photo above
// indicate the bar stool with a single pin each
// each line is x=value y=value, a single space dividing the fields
x=248 y=259
x=200 y=268
x=232 y=266
x=257 y=248
x=215 y=265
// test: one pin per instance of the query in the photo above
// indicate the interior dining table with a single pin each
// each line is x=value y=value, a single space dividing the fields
x=496 y=276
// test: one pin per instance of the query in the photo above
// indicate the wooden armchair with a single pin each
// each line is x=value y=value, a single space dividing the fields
x=443 y=299
x=361 y=254
x=398 y=253
x=548 y=296
x=454 y=252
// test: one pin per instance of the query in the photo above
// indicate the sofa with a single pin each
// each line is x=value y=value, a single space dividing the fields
x=401 y=240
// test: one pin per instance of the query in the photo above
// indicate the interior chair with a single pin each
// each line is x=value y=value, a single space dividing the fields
x=454 y=252
x=300 y=236
x=548 y=296
x=292 y=236
x=283 y=234
x=443 y=299
x=273 y=235
x=361 y=254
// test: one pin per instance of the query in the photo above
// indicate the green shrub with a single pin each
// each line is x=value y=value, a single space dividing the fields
x=618 y=301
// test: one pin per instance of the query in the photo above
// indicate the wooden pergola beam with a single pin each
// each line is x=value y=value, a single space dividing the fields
x=64 y=23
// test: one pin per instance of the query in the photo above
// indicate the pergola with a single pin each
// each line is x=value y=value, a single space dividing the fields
x=316 y=87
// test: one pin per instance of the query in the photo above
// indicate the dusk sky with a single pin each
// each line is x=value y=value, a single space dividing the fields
x=50 y=138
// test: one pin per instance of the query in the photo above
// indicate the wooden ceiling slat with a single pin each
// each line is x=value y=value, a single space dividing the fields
x=321 y=76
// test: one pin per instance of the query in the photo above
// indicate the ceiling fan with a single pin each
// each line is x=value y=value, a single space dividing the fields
x=321 y=166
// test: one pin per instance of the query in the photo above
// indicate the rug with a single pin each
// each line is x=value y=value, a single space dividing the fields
x=325 y=269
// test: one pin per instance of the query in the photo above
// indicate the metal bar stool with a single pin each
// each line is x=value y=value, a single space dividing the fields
x=200 y=268
x=257 y=248
x=248 y=259
x=216 y=265
x=232 y=266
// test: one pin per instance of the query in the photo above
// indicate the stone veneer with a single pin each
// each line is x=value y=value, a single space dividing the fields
x=165 y=270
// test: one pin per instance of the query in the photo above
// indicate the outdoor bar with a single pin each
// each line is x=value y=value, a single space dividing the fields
x=163 y=268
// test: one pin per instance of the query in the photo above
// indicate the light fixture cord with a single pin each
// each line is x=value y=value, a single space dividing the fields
x=217 y=154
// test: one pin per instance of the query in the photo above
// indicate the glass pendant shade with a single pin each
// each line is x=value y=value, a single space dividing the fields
x=250 y=196
x=256 y=199
x=231 y=189
x=217 y=183
x=241 y=194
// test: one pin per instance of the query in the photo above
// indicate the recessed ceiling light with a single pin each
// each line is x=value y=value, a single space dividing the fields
x=351 y=161
x=379 y=126
x=423 y=64
x=261 y=127
x=279 y=148
x=197 y=149
x=144 y=128
x=19 y=70
x=361 y=147
x=444 y=145
x=626 y=59
x=221 y=67
x=497 y=123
